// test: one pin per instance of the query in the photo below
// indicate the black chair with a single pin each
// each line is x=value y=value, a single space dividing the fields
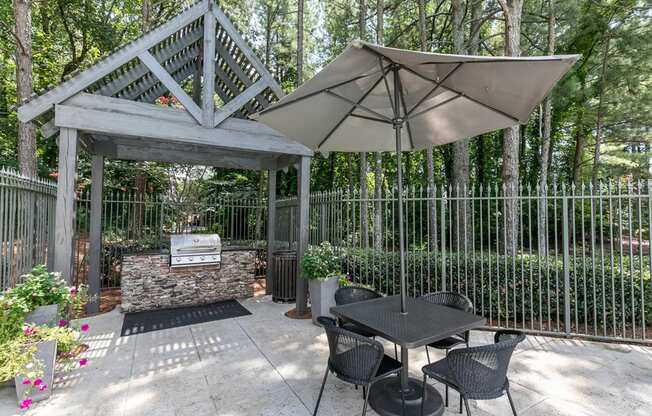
x=477 y=373
x=352 y=294
x=452 y=300
x=356 y=359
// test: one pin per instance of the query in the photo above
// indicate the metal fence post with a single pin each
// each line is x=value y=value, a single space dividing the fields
x=566 y=261
x=443 y=239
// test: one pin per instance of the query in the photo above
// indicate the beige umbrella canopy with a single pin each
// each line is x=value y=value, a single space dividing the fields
x=348 y=105
x=373 y=98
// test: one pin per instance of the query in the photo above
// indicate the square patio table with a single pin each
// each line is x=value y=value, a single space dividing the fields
x=423 y=324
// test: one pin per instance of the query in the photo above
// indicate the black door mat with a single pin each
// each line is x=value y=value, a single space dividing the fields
x=148 y=321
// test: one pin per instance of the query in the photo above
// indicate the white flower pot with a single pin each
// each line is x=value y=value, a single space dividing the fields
x=43 y=315
x=322 y=296
x=46 y=353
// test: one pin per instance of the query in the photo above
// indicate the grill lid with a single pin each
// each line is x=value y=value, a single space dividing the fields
x=194 y=249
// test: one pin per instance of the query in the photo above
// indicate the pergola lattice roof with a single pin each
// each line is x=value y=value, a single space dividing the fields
x=111 y=102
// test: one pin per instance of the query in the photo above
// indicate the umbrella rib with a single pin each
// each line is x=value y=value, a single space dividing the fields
x=434 y=106
x=339 y=123
x=389 y=94
x=437 y=85
x=370 y=118
x=494 y=109
x=407 y=122
x=312 y=94
x=358 y=105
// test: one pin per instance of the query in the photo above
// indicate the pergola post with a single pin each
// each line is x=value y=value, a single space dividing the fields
x=271 y=228
x=303 y=197
x=65 y=209
x=95 y=235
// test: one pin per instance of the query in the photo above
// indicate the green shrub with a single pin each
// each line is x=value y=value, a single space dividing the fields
x=533 y=288
x=320 y=262
x=39 y=288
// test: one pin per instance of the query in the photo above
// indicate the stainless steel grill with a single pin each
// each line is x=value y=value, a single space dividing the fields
x=195 y=250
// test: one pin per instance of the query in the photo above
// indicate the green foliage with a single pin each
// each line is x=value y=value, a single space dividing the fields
x=40 y=288
x=524 y=287
x=11 y=319
x=320 y=262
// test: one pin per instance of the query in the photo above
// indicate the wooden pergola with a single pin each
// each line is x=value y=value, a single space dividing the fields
x=108 y=110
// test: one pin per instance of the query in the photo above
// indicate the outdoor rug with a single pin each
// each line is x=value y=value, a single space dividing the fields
x=148 y=321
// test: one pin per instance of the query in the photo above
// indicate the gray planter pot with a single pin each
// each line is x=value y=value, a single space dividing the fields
x=46 y=353
x=322 y=297
x=43 y=315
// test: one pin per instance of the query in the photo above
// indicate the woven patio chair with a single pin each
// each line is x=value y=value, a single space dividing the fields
x=477 y=373
x=356 y=359
x=346 y=295
x=452 y=300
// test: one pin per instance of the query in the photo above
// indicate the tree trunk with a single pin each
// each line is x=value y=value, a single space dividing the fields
x=595 y=173
x=364 y=192
x=378 y=166
x=430 y=164
x=26 y=138
x=300 y=42
x=546 y=139
x=512 y=10
x=460 y=149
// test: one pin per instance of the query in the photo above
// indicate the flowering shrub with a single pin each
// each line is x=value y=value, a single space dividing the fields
x=41 y=287
x=320 y=262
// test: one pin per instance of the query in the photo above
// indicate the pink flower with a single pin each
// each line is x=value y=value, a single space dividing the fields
x=29 y=330
x=27 y=381
x=83 y=362
x=73 y=290
x=42 y=387
x=38 y=382
x=25 y=404
x=63 y=322
x=84 y=328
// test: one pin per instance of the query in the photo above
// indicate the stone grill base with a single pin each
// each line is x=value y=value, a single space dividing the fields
x=149 y=283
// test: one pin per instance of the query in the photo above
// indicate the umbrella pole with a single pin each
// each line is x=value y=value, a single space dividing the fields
x=398 y=124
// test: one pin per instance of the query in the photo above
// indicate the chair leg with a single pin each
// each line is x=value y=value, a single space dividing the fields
x=511 y=402
x=447 y=395
x=427 y=354
x=423 y=393
x=402 y=403
x=321 y=391
x=468 y=409
x=364 y=392
x=460 y=403
x=366 y=400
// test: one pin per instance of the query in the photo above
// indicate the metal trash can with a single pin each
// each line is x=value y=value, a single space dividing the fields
x=284 y=285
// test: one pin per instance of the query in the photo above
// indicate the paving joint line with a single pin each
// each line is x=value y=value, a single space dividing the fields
x=275 y=369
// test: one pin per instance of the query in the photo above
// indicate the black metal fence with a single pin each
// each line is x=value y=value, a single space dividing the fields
x=26 y=224
x=134 y=222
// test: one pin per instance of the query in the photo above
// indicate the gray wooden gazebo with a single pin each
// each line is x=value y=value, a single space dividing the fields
x=108 y=110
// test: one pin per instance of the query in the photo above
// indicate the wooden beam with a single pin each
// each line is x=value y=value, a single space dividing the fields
x=271 y=229
x=208 y=90
x=169 y=82
x=43 y=103
x=120 y=105
x=95 y=234
x=65 y=208
x=303 y=225
x=122 y=124
x=238 y=102
x=247 y=51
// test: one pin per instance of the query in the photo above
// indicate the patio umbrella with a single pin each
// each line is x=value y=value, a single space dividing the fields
x=372 y=98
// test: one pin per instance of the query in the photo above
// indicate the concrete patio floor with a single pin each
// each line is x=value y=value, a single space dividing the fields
x=267 y=364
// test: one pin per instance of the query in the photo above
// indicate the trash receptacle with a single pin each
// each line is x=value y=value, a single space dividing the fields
x=284 y=286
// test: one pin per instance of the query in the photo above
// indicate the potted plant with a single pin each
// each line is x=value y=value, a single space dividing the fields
x=42 y=296
x=323 y=269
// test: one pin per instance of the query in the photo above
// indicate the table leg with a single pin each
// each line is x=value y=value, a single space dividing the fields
x=385 y=395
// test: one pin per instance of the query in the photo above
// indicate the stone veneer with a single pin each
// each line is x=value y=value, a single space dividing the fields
x=149 y=283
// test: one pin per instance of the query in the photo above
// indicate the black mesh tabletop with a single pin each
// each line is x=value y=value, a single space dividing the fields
x=423 y=324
